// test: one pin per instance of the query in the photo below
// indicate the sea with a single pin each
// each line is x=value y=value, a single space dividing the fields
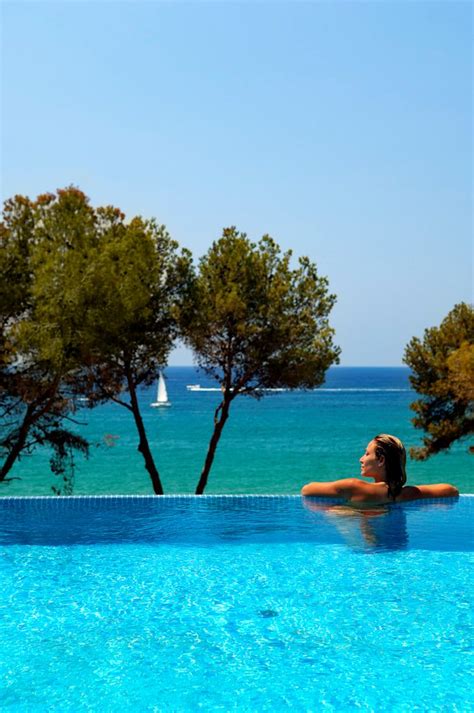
x=272 y=445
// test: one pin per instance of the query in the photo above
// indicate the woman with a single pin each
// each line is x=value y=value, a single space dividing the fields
x=384 y=461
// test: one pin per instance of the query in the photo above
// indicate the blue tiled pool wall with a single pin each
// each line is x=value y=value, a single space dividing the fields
x=180 y=503
x=443 y=524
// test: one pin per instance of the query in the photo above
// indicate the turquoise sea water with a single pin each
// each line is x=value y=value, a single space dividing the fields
x=269 y=446
x=227 y=603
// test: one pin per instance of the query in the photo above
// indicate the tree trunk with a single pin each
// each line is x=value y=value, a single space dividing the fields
x=219 y=424
x=143 y=445
x=20 y=442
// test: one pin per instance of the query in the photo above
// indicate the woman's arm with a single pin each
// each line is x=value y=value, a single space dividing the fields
x=335 y=489
x=437 y=490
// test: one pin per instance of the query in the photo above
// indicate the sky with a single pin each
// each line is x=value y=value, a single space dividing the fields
x=342 y=129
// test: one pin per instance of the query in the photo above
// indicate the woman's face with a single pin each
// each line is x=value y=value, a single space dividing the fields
x=371 y=465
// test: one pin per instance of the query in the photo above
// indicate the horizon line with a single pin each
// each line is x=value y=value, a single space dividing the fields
x=333 y=366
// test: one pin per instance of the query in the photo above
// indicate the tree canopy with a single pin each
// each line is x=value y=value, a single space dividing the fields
x=106 y=288
x=90 y=315
x=35 y=380
x=137 y=277
x=442 y=365
x=90 y=306
x=254 y=323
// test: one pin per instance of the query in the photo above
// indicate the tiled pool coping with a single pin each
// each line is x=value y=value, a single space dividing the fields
x=191 y=496
x=163 y=499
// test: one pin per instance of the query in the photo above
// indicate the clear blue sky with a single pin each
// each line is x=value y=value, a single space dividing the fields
x=343 y=129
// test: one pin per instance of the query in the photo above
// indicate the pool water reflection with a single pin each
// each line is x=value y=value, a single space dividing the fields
x=235 y=603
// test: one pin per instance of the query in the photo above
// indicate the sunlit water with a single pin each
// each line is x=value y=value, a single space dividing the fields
x=220 y=604
x=269 y=446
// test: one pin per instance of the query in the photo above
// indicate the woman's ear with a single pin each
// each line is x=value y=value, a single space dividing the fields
x=381 y=460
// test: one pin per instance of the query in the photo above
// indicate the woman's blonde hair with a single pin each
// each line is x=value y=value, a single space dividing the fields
x=395 y=456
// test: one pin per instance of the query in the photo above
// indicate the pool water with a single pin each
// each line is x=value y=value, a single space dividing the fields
x=235 y=603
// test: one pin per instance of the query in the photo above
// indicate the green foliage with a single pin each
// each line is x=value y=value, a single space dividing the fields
x=15 y=238
x=254 y=323
x=104 y=290
x=461 y=372
x=132 y=284
x=35 y=379
x=443 y=374
x=86 y=309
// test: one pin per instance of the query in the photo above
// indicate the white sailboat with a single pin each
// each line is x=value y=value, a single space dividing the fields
x=161 y=394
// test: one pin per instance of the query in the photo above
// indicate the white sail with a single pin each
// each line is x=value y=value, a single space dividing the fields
x=161 y=394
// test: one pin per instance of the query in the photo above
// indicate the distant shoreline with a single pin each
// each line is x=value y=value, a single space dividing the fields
x=331 y=368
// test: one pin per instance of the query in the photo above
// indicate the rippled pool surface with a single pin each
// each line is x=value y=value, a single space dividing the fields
x=237 y=603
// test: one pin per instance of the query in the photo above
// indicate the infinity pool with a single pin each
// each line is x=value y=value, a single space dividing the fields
x=235 y=603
